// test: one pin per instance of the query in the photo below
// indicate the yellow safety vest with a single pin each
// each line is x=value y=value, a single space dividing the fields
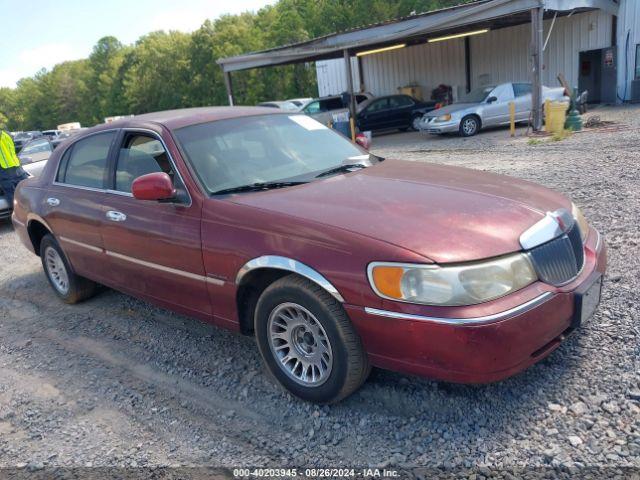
x=8 y=157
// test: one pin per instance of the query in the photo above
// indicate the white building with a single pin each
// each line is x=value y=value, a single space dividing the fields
x=596 y=49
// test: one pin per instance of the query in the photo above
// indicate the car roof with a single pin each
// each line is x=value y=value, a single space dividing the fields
x=173 y=119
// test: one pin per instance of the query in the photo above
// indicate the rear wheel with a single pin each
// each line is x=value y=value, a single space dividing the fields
x=469 y=126
x=71 y=288
x=307 y=341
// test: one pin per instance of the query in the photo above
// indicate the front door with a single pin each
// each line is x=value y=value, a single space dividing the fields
x=522 y=93
x=154 y=248
x=497 y=112
x=73 y=206
x=375 y=115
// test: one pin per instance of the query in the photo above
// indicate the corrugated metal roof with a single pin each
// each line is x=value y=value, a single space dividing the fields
x=488 y=12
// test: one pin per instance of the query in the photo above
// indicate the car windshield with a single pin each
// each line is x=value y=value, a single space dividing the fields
x=477 y=95
x=232 y=153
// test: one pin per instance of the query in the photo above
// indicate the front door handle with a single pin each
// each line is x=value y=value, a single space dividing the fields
x=116 y=216
x=54 y=202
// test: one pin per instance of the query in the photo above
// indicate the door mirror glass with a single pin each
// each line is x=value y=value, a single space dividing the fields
x=153 y=186
x=492 y=99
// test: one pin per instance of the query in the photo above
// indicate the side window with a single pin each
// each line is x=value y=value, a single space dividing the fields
x=378 y=105
x=85 y=164
x=313 y=107
x=37 y=146
x=140 y=154
x=332 y=104
x=361 y=98
x=400 y=101
x=521 y=89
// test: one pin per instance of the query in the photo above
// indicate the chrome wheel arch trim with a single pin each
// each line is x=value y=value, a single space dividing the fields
x=496 y=317
x=284 y=263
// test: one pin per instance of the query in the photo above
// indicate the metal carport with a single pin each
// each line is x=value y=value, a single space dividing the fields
x=458 y=20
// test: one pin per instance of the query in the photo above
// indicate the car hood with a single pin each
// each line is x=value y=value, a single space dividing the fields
x=454 y=107
x=446 y=214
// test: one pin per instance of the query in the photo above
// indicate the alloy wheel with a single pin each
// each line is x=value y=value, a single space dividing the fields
x=469 y=126
x=300 y=344
x=56 y=270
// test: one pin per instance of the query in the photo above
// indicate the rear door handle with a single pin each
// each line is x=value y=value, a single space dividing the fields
x=116 y=216
x=54 y=202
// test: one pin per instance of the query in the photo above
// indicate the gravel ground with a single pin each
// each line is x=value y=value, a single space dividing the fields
x=117 y=382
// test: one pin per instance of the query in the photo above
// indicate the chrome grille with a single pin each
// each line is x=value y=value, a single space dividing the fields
x=560 y=260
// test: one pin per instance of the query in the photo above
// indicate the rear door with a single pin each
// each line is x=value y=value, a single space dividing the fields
x=154 y=248
x=74 y=203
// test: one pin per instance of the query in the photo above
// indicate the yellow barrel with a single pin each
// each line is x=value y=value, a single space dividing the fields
x=555 y=116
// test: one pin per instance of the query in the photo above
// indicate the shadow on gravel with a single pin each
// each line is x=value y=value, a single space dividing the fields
x=6 y=226
x=212 y=371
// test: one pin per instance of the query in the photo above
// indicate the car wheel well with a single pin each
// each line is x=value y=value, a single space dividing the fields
x=249 y=291
x=477 y=117
x=36 y=231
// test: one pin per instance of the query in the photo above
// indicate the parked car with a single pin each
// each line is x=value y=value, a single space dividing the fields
x=393 y=111
x=51 y=134
x=486 y=107
x=327 y=109
x=274 y=225
x=300 y=102
x=283 y=105
x=34 y=155
x=21 y=138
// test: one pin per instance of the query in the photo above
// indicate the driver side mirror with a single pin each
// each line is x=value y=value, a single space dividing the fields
x=492 y=99
x=153 y=186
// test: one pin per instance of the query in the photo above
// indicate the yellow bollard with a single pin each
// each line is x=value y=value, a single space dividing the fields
x=353 y=129
x=512 y=118
x=547 y=102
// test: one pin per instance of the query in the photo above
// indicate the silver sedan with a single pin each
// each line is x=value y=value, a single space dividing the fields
x=485 y=107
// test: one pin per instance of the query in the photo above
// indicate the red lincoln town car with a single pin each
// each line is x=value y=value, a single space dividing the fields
x=273 y=225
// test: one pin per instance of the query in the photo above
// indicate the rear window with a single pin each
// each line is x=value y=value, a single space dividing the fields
x=85 y=165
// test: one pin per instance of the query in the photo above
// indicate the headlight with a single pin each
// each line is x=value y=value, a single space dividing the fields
x=582 y=222
x=465 y=284
x=443 y=118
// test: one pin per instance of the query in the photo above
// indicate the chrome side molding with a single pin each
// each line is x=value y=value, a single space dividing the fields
x=551 y=226
x=284 y=263
x=496 y=317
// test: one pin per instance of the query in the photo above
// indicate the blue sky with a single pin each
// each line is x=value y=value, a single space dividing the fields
x=41 y=33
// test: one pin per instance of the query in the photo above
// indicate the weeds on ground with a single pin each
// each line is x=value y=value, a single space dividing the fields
x=556 y=137
x=559 y=136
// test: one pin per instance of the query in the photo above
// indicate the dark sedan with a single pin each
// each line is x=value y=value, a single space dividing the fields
x=392 y=112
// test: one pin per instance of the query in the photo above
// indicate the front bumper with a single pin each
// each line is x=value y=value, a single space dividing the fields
x=492 y=346
x=5 y=208
x=429 y=125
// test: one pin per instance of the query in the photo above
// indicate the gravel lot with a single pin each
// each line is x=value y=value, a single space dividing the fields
x=117 y=382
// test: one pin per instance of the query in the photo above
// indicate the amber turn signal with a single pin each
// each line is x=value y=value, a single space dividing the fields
x=387 y=280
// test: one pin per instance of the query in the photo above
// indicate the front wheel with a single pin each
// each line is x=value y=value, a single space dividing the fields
x=415 y=123
x=307 y=341
x=469 y=126
x=71 y=288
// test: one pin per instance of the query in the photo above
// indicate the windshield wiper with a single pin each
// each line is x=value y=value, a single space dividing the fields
x=256 y=187
x=341 y=168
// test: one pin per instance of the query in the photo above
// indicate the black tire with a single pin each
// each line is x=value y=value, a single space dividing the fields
x=469 y=126
x=78 y=288
x=350 y=366
x=413 y=126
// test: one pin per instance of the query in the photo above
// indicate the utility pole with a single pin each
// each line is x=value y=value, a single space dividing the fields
x=352 y=98
x=537 y=16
